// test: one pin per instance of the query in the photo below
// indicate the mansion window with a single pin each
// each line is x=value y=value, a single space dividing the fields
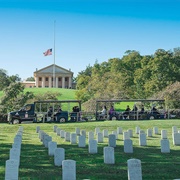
x=40 y=78
x=46 y=78
x=59 y=79
x=66 y=79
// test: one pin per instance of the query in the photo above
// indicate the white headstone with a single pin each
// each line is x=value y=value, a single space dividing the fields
x=92 y=147
x=112 y=140
x=58 y=131
x=73 y=138
x=149 y=132
x=109 y=155
x=137 y=129
x=83 y=133
x=59 y=156
x=44 y=136
x=54 y=128
x=155 y=130
x=119 y=130
x=40 y=134
x=81 y=141
x=174 y=129
x=18 y=138
x=16 y=145
x=17 y=141
x=51 y=147
x=99 y=137
x=176 y=139
x=37 y=129
x=165 y=148
x=141 y=131
x=77 y=131
x=130 y=131
x=163 y=134
x=62 y=133
x=21 y=128
x=128 y=146
x=105 y=133
x=15 y=154
x=46 y=140
x=12 y=170
x=134 y=169
x=67 y=136
x=142 y=139
x=126 y=135
x=97 y=130
x=69 y=170
x=19 y=133
x=115 y=133
x=90 y=135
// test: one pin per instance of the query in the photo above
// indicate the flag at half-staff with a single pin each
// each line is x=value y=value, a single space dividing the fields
x=48 y=52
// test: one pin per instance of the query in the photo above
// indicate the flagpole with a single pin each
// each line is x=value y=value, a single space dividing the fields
x=54 y=77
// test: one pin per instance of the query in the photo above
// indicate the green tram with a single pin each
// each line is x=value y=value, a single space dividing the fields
x=138 y=109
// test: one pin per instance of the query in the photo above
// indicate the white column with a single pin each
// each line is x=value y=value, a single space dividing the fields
x=43 y=82
x=70 y=82
x=36 y=81
x=63 y=82
x=50 y=82
x=56 y=82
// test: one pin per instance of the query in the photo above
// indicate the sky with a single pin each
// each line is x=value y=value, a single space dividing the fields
x=81 y=32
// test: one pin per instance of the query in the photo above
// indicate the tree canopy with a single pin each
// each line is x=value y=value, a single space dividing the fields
x=6 y=80
x=132 y=76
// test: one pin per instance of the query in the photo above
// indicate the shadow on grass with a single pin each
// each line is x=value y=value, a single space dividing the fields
x=35 y=163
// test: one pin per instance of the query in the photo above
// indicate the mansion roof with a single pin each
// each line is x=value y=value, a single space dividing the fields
x=49 y=70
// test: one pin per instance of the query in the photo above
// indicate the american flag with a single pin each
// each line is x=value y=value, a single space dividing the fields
x=48 y=52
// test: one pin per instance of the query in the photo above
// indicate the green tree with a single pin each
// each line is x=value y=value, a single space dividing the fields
x=171 y=94
x=130 y=63
x=30 y=79
x=47 y=96
x=162 y=73
x=5 y=80
x=142 y=75
x=133 y=76
x=14 y=97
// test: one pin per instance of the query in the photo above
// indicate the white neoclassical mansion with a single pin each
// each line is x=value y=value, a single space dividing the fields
x=52 y=76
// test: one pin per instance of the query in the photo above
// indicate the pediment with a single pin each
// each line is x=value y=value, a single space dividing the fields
x=49 y=70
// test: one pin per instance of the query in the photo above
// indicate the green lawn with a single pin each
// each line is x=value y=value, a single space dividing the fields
x=66 y=94
x=123 y=105
x=37 y=165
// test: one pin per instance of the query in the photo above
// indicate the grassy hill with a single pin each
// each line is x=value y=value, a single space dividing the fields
x=66 y=94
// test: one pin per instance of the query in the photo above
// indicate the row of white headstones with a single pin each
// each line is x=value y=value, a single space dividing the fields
x=134 y=165
x=12 y=164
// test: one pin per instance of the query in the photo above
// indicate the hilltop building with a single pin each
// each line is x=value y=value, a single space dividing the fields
x=44 y=78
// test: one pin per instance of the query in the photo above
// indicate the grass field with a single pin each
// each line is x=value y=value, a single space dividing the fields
x=37 y=165
x=66 y=94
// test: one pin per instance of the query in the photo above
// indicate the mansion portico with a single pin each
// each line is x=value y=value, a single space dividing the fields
x=45 y=77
